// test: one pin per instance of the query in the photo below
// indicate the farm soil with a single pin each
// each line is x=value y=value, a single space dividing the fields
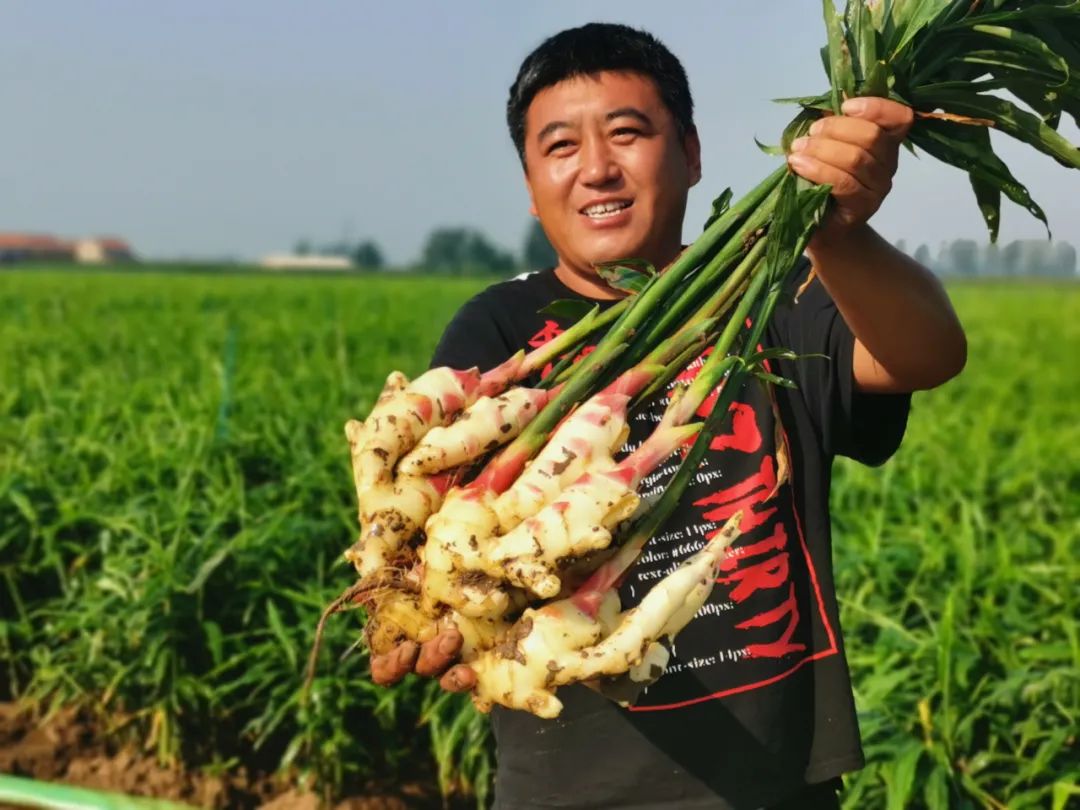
x=68 y=748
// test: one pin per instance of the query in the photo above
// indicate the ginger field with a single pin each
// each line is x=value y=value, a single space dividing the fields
x=175 y=495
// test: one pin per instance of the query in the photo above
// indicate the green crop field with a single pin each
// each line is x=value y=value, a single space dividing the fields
x=175 y=495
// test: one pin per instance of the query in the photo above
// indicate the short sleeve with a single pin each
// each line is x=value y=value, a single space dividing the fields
x=473 y=338
x=865 y=427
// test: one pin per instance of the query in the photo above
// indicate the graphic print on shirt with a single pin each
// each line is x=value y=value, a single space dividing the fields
x=765 y=618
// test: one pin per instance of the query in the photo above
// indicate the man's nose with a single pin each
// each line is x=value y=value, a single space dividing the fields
x=598 y=166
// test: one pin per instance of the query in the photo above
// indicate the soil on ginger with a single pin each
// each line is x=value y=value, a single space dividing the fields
x=68 y=748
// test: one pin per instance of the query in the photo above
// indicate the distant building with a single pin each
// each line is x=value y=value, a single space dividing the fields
x=102 y=250
x=40 y=247
x=34 y=247
x=288 y=261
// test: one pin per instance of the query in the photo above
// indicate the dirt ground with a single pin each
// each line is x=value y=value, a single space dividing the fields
x=68 y=749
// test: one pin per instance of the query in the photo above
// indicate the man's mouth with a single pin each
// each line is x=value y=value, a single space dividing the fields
x=605 y=210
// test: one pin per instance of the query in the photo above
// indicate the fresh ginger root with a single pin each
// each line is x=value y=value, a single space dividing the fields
x=394 y=617
x=579 y=521
x=456 y=536
x=561 y=643
x=391 y=514
x=434 y=556
x=394 y=504
x=483 y=426
x=594 y=431
x=463 y=567
x=401 y=417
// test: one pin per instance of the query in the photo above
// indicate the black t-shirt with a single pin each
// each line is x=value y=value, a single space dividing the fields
x=756 y=702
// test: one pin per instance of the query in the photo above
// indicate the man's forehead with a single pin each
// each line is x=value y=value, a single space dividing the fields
x=594 y=94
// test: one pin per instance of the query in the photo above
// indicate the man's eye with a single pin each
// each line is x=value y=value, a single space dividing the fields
x=557 y=145
x=626 y=133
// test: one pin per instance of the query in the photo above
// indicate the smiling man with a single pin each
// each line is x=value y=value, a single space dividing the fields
x=755 y=708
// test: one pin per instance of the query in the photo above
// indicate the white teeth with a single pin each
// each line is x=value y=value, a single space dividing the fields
x=602 y=210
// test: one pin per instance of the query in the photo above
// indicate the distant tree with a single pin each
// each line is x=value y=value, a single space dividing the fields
x=303 y=247
x=922 y=256
x=1067 y=260
x=482 y=254
x=991 y=260
x=538 y=252
x=1012 y=259
x=367 y=256
x=461 y=251
x=1039 y=257
x=963 y=258
x=1019 y=258
x=444 y=250
x=901 y=245
x=342 y=249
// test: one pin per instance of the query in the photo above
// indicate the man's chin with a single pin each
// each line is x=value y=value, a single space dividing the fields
x=616 y=251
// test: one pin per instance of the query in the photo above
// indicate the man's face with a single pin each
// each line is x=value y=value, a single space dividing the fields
x=607 y=171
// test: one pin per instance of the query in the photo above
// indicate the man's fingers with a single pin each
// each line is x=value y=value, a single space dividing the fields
x=847 y=157
x=892 y=116
x=430 y=660
x=381 y=669
x=458 y=679
x=390 y=668
x=859 y=132
x=844 y=184
x=436 y=655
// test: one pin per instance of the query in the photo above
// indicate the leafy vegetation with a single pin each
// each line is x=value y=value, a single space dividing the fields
x=956 y=567
x=175 y=495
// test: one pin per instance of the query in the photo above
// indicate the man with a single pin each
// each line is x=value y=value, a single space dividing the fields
x=755 y=709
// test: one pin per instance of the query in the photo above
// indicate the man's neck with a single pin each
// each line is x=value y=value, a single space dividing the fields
x=586 y=281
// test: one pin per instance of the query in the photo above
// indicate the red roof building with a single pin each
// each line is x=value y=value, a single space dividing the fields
x=40 y=247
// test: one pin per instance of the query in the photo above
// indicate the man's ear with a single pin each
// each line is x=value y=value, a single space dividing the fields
x=692 y=148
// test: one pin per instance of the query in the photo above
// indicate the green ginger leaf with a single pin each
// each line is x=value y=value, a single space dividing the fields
x=1060 y=43
x=799 y=126
x=1025 y=43
x=1005 y=115
x=862 y=41
x=1008 y=65
x=570 y=309
x=775 y=379
x=988 y=198
x=1065 y=46
x=800 y=207
x=627 y=275
x=840 y=69
x=1028 y=13
x=784 y=225
x=821 y=102
x=775 y=151
x=721 y=204
x=909 y=19
x=1049 y=104
x=881 y=17
x=968 y=148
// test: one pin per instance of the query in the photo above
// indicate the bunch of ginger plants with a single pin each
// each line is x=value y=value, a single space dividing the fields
x=507 y=513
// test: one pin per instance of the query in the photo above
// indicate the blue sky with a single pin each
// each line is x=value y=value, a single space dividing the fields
x=209 y=129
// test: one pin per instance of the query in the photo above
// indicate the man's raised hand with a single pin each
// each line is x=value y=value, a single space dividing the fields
x=857 y=153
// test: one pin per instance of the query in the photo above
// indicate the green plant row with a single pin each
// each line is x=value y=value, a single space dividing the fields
x=174 y=496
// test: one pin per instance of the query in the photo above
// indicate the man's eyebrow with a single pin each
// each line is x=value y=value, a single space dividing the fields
x=550 y=128
x=631 y=112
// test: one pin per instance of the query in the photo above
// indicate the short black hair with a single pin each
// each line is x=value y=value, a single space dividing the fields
x=591 y=49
